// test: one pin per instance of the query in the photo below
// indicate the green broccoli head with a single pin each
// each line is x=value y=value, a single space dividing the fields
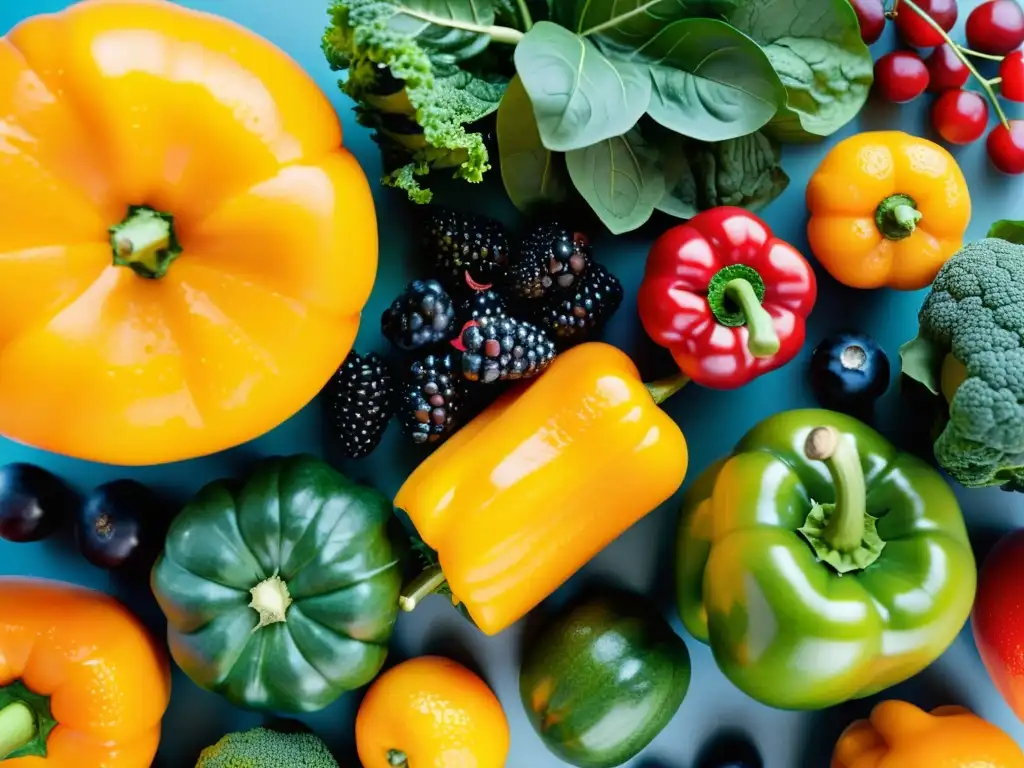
x=263 y=748
x=970 y=348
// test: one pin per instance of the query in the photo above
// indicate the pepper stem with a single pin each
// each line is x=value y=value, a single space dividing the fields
x=897 y=217
x=397 y=759
x=145 y=242
x=18 y=728
x=270 y=599
x=763 y=341
x=842 y=534
x=426 y=583
x=662 y=389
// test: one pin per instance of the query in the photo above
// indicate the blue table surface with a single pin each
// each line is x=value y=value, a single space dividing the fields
x=642 y=557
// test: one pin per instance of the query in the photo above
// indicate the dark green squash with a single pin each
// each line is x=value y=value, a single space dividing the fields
x=281 y=593
x=603 y=678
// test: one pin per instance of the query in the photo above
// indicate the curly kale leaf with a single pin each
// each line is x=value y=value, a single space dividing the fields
x=403 y=75
x=970 y=347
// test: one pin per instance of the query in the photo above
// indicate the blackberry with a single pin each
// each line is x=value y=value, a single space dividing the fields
x=571 y=319
x=504 y=349
x=468 y=251
x=549 y=259
x=431 y=400
x=360 y=402
x=424 y=315
x=481 y=304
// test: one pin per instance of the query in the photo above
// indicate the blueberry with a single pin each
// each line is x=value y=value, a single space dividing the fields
x=849 y=372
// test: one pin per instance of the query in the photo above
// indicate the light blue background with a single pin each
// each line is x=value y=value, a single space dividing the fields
x=712 y=421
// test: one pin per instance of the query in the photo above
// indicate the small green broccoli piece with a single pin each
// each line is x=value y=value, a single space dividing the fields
x=263 y=748
x=970 y=348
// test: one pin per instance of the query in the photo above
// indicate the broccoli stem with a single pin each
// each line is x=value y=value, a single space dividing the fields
x=144 y=241
x=897 y=217
x=18 y=728
x=845 y=529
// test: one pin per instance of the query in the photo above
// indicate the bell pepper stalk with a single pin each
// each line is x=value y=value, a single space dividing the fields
x=817 y=539
x=25 y=722
x=898 y=733
x=726 y=298
x=529 y=491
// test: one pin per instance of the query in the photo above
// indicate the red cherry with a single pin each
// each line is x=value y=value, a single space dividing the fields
x=871 y=14
x=919 y=33
x=1006 y=147
x=996 y=27
x=960 y=117
x=945 y=69
x=1012 y=73
x=901 y=76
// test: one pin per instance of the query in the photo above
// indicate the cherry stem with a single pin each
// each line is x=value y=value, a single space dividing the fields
x=959 y=52
x=979 y=54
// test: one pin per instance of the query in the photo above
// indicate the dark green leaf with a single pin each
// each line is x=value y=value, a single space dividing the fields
x=631 y=22
x=531 y=173
x=744 y=172
x=579 y=96
x=1011 y=231
x=711 y=82
x=620 y=179
x=816 y=48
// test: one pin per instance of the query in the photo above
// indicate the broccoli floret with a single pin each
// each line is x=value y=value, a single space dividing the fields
x=263 y=748
x=970 y=349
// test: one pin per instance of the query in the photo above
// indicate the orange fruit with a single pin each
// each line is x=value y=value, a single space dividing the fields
x=431 y=712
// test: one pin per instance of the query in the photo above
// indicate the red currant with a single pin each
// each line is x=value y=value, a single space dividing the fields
x=996 y=27
x=960 y=117
x=1006 y=147
x=871 y=14
x=946 y=70
x=919 y=33
x=1012 y=73
x=900 y=76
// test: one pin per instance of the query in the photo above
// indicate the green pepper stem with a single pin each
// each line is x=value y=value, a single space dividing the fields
x=270 y=599
x=426 y=583
x=397 y=758
x=145 y=242
x=18 y=728
x=845 y=529
x=763 y=341
x=897 y=217
x=662 y=389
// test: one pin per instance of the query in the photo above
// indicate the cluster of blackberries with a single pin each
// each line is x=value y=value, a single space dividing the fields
x=489 y=314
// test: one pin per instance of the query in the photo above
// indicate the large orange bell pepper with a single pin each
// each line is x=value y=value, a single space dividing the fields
x=899 y=735
x=185 y=248
x=524 y=495
x=82 y=684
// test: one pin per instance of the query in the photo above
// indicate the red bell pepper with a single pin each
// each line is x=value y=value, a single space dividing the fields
x=726 y=297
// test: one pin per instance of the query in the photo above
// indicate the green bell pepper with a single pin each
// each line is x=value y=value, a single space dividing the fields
x=281 y=593
x=821 y=564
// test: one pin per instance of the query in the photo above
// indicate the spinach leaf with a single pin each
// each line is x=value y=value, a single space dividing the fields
x=816 y=48
x=619 y=178
x=743 y=172
x=531 y=173
x=710 y=81
x=579 y=96
x=630 y=22
x=1011 y=231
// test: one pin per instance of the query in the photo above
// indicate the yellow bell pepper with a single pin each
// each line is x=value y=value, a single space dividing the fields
x=524 y=495
x=185 y=245
x=899 y=735
x=887 y=209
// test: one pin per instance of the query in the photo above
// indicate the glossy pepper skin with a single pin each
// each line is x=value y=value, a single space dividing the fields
x=821 y=564
x=95 y=680
x=524 y=495
x=899 y=735
x=726 y=297
x=281 y=591
x=887 y=210
x=222 y=309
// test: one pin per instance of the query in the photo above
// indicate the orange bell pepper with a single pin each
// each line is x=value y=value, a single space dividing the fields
x=887 y=209
x=222 y=305
x=524 y=495
x=899 y=735
x=82 y=684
